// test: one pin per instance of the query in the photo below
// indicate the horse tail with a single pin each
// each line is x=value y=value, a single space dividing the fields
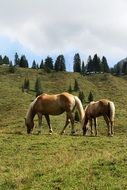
x=111 y=110
x=79 y=106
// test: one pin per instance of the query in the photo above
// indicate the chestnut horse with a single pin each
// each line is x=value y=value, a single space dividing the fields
x=104 y=108
x=53 y=105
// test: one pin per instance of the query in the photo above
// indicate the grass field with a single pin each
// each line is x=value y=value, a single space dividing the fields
x=55 y=162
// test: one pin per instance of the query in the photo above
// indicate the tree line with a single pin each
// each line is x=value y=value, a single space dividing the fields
x=46 y=64
x=94 y=64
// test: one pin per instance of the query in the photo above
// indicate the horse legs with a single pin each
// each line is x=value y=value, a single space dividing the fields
x=91 y=123
x=95 y=126
x=66 y=123
x=39 y=122
x=69 y=117
x=106 y=118
x=48 y=122
x=112 y=125
x=72 y=123
x=85 y=127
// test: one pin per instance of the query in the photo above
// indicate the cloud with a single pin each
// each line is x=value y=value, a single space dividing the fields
x=53 y=26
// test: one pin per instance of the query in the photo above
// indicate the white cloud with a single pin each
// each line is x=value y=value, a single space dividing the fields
x=49 y=26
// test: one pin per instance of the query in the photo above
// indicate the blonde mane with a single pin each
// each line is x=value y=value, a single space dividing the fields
x=28 y=114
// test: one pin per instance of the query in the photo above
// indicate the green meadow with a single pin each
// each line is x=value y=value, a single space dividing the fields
x=61 y=162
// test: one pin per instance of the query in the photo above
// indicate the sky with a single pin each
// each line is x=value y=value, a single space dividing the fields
x=41 y=28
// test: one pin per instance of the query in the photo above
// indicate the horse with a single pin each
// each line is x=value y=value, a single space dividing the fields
x=56 y=104
x=103 y=107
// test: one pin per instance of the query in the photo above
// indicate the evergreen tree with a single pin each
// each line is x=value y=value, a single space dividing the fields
x=6 y=60
x=124 y=68
x=38 y=87
x=81 y=96
x=104 y=65
x=60 y=63
x=16 y=60
x=34 y=65
x=112 y=70
x=89 y=64
x=77 y=63
x=118 y=69
x=48 y=63
x=77 y=118
x=70 y=88
x=23 y=62
x=83 y=70
x=26 y=85
x=37 y=66
x=76 y=86
x=1 y=60
x=96 y=63
x=42 y=64
x=90 y=97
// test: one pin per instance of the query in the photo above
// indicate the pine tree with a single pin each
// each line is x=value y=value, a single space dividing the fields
x=16 y=60
x=23 y=62
x=70 y=88
x=96 y=63
x=34 y=65
x=77 y=63
x=76 y=86
x=42 y=64
x=77 y=118
x=81 y=96
x=1 y=60
x=90 y=97
x=124 y=68
x=83 y=70
x=60 y=63
x=118 y=69
x=48 y=64
x=104 y=65
x=26 y=85
x=38 y=87
x=90 y=64
x=6 y=60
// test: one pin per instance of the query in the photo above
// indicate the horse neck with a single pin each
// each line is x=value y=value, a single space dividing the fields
x=30 y=115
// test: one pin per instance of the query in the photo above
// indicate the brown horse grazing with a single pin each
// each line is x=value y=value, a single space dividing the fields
x=104 y=108
x=53 y=105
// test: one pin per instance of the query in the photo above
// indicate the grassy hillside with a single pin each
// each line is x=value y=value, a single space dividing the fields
x=61 y=162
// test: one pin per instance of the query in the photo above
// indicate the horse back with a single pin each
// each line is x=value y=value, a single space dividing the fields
x=107 y=107
x=99 y=108
x=53 y=104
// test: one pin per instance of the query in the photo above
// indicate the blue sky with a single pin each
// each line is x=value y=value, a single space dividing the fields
x=44 y=28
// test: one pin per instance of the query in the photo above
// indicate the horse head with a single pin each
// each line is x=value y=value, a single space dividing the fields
x=29 y=125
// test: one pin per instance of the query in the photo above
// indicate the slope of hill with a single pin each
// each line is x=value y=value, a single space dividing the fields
x=14 y=103
x=61 y=162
